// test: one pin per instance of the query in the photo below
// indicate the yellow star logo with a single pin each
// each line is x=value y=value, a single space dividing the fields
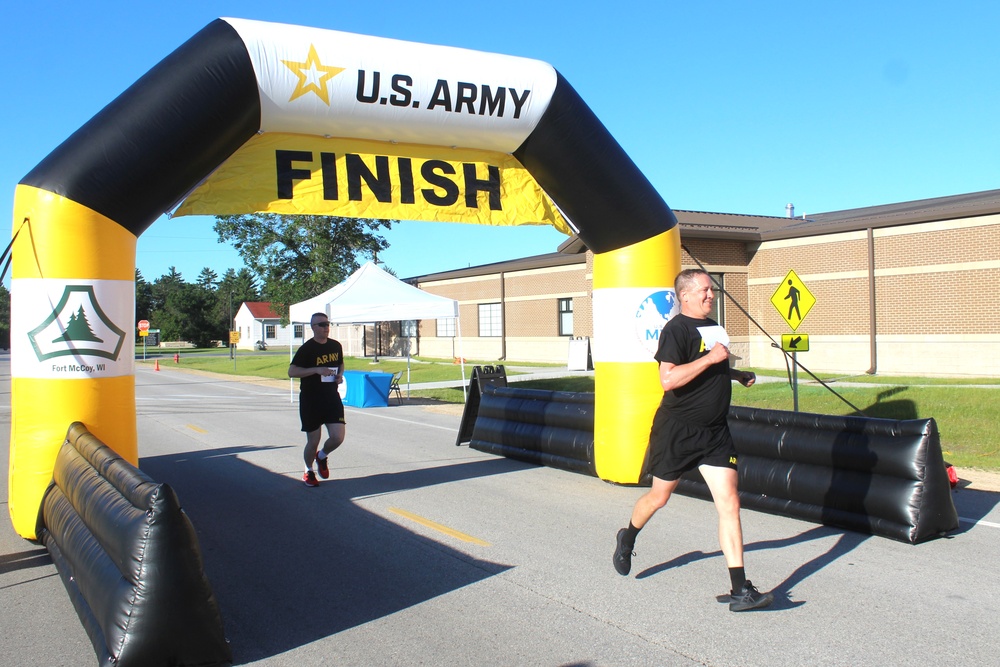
x=313 y=76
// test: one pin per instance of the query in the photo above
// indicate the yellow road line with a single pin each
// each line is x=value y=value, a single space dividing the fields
x=196 y=429
x=438 y=527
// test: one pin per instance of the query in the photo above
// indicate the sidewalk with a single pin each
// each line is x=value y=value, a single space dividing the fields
x=524 y=373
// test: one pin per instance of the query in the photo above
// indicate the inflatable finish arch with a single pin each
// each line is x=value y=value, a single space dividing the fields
x=249 y=116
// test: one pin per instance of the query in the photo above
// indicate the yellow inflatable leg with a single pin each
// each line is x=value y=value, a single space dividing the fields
x=633 y=296
x=72 y=340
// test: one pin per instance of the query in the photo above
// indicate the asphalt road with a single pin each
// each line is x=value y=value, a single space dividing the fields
x=418 y=552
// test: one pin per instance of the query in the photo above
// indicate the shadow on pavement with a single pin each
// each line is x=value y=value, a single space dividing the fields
x=24 y=560
x=846 y=542
x=290 y=565
x=973 y=505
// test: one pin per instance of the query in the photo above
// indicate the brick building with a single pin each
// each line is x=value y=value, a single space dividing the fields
x=903 y=288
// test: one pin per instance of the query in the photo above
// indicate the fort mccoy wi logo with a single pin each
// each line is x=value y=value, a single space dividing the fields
x=77 y=327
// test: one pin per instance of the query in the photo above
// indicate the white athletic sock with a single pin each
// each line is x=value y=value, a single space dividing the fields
x=321 y=455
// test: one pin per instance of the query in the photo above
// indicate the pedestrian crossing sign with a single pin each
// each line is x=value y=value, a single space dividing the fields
x=792 y=300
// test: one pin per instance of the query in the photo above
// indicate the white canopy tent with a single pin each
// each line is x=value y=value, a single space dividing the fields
x=371 y=295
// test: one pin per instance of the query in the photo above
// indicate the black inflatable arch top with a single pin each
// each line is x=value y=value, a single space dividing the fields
x=193 y=110
x=162 y=136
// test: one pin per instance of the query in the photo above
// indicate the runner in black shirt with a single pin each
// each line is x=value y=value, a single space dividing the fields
x=320 y=365
x=690 y=430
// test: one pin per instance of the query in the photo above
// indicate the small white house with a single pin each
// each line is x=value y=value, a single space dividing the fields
x=256 y=321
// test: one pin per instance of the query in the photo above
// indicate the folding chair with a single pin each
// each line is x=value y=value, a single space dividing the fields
x=394 y=386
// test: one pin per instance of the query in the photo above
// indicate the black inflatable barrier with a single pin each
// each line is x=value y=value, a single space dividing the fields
x=552 y=428
x=883 y=477
x=878 y=476
x=129 y=558
x=482 y=377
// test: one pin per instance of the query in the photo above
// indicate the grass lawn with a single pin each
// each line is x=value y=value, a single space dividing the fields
x=965 y=410
x=274 y=365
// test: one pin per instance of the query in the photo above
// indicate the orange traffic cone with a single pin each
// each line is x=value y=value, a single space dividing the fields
x=156 y=365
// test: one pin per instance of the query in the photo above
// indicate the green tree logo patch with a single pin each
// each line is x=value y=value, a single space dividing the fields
x=77 y=326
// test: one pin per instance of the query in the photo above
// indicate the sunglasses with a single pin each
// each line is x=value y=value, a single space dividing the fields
x=325 y=325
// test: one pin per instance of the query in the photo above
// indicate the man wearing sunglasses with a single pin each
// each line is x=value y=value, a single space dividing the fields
x=319 y=365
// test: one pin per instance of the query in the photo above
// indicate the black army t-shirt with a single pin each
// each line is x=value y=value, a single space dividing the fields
x=705 y=399
x=313 y=354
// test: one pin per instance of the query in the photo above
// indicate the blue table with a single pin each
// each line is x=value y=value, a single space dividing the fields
x=366 y=390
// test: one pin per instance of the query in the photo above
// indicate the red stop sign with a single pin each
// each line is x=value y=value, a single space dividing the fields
x=143 y=325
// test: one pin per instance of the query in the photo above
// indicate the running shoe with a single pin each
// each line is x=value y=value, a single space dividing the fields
x=623 y=555
x=323 y=466
x=309 y=478
x=749 y=598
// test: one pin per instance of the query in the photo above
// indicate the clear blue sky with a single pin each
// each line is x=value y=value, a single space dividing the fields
x=728 y=106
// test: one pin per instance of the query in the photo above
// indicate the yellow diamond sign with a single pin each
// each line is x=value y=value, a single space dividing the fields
x=793 y=300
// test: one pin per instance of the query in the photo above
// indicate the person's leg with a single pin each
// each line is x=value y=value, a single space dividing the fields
x=651 y=501
x=335 y=437
x=722 y=483
x=312 y=444
x=647 y=505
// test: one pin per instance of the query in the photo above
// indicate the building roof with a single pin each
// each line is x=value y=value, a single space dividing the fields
x=890 y=215
x=737 y=227
x=730 y=226
x=261 y=310
x=523 y=264
x=756 y=228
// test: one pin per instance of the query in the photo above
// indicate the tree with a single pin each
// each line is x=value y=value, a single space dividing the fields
x=187 y=315
x=208 y=281
x=4 y=318
x=207 y=278
x=196 y=304
x=167 y=315
x=299 y=256
x=232 y=291
x=246 y=287
x=161 y=289
x=143 y=297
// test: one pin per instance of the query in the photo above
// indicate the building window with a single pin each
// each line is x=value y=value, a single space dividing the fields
x=408 y=328
x=565 y=317
x=300 y=330
x=269 y=331
x=718 y=312
x=490 y=320
x=446 y=327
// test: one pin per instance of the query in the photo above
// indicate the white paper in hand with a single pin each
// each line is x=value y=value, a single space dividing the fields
x=712 y=335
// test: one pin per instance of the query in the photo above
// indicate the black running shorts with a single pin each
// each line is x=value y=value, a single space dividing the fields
x=319 y=408
x=676 y=447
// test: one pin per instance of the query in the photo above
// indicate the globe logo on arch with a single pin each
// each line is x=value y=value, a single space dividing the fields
x=654 y=311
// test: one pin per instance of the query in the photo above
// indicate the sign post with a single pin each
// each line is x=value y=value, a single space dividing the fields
x=793 y=301
x=234 y=338
x=144 y=334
